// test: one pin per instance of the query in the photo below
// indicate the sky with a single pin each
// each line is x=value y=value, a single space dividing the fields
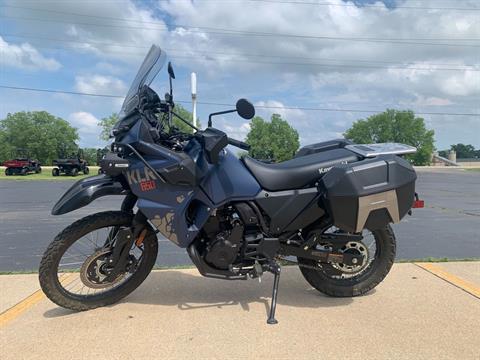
x=321 y=64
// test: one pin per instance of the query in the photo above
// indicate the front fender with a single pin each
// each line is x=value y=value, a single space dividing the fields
x=84 y=191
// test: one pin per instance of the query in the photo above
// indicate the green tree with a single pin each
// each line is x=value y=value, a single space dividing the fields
x=464 y=151
x=275 y=140
x=443 y=153
x=90 y=154
x=107 y=124
x=187 y=115
x=40 y=133
x=395 y=126
x=5 y=147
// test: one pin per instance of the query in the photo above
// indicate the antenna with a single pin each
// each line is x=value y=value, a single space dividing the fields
x=194 y=98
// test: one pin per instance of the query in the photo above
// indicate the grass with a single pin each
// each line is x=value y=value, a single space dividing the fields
x=179 y=267
x=46 y=174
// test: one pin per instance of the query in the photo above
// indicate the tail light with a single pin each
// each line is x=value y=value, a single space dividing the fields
x=417 y=203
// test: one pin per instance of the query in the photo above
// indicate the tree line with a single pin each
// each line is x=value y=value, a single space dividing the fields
x=463 y=151
x=46 y=137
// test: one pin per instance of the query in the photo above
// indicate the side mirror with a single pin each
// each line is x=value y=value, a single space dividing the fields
x=245 y=109
x=170 y=70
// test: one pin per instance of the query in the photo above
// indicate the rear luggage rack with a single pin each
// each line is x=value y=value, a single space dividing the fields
x=371 y=150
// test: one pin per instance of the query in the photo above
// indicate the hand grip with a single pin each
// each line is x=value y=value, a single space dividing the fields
x=239 y=144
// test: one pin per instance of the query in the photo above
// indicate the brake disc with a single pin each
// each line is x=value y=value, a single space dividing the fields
x=94 y=271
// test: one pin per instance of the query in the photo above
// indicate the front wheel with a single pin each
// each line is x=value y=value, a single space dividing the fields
x=339 y=280
x=74 y=269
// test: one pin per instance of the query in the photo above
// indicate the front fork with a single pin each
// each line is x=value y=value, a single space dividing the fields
x=124 y=239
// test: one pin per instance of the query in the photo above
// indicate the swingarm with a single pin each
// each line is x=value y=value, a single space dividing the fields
x=328 y=254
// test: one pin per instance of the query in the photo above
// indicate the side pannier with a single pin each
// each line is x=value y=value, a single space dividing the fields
x=369 y=193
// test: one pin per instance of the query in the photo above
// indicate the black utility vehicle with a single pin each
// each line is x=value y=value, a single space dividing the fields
x=70 y=165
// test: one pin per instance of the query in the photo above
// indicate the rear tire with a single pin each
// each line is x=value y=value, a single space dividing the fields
x=48 y=272
x=86 y=170
x=74 y=172
x=55 y=172
x=355 y=286
x=38 y=170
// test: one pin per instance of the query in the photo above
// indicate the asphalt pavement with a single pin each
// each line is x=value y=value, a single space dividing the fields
x=448 y=227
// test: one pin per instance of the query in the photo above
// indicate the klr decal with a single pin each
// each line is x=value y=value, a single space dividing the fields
x=147 y=185
x=143 y=177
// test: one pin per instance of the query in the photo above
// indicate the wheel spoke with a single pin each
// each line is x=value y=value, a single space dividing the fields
x=85 y=256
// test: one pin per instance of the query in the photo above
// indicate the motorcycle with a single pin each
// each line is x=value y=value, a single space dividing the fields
x=330 y=207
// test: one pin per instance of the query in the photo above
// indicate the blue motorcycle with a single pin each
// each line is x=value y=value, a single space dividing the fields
x=328 y=210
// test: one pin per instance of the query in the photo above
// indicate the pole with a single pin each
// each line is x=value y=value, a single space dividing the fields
x=194 y=98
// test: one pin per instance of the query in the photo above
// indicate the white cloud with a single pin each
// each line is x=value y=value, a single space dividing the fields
x=88 y=129
x=227 y=69
x=103 y=37
x=432 y=101
x=464 y=84
x=238 y=132
x=292 y=115
x=25 y=56
x=100 y=84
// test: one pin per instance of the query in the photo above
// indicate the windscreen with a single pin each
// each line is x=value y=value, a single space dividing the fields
x=150 y=67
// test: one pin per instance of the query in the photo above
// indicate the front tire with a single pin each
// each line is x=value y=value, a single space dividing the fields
x=320 y=275
x=62 y=294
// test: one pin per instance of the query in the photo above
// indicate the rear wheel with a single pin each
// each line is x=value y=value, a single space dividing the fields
x=74 y=172
x=55 y=172
x=8 y=172
x=74 y=269
x=38 y=170
x=86 y=170
x=339 y=280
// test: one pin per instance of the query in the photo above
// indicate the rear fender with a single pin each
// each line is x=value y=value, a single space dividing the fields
x=84 y=191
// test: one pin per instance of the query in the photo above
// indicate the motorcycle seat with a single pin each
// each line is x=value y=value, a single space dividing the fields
x=298 y=172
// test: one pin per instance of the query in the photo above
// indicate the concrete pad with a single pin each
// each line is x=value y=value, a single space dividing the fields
x=469 y=271
x=15 y=288
x=176 y=314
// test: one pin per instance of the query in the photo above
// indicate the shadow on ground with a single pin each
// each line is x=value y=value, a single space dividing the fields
x=190 y=292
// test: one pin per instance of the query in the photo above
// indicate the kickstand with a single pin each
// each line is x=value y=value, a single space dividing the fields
x=275 y=269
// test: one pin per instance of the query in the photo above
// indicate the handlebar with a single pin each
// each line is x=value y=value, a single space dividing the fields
x=239 y=144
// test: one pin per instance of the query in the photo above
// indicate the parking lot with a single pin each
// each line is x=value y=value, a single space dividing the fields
x=421 y=310
x=449 y=226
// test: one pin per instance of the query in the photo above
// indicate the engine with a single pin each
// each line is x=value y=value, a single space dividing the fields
x=231 y=237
